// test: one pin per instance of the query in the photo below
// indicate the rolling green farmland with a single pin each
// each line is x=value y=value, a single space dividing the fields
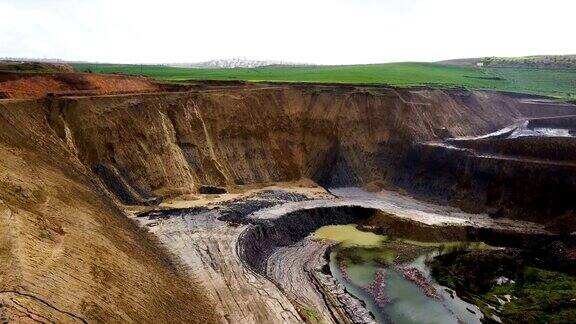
x=550 y=82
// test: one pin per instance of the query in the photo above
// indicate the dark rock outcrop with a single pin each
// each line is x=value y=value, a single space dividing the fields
x=257 y=243
x=521 y=188
x=211 y=190
x=129 y=194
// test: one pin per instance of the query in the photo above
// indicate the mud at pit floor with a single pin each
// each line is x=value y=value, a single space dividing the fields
x=285 y=279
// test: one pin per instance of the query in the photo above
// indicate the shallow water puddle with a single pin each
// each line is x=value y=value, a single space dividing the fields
x=349 y=235
x=393 y=279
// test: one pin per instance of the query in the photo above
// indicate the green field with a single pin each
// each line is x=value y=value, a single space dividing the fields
x=550 y=82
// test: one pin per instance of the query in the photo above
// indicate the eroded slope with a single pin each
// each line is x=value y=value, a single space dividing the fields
x=67 y=252
x=148 y=147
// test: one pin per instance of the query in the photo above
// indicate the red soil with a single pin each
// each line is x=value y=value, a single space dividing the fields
x=35 y=85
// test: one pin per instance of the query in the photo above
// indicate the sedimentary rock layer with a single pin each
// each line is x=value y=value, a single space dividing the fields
x=166 y=144
x=151 y=146
x=335 y=135
x=67 y=251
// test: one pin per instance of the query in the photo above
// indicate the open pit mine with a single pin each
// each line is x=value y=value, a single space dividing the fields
x=124 y=200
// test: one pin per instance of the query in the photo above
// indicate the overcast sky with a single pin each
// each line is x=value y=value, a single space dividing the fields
x=308 y=31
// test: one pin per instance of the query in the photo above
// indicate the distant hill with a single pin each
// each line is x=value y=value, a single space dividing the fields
x=25 y=63
x=537 y=61
x=233 y=63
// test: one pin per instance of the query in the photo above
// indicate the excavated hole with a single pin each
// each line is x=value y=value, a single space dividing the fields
x=261 y=238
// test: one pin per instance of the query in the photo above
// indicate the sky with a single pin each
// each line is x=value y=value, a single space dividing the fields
x=303 y=31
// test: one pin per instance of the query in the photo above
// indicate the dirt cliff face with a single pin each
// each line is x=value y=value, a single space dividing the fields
x=67 y=253
x=162 y=145
x=146 y=147
x=170 y=143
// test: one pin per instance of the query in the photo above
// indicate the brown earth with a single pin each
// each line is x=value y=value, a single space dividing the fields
x=148 y=147
x=36 y=85
x=165 y=144
x=67 y=252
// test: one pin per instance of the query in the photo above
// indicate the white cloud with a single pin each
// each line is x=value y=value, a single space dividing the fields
x=320 y=31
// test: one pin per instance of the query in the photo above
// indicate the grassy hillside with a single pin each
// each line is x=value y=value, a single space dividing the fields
x=538 y=61
x=550 y=82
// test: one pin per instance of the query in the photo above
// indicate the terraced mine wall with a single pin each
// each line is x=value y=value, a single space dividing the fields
x=398 y=227
x=521 y=188
x=146 y=147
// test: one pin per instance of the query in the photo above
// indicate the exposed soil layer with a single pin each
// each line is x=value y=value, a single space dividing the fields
x=265 y=235
x=152 y=146
x=208 y=247
x=37 y=85
x=259 y=241
x=11 y=66
x=67 y=251
x=275 y=244
x=389 y=224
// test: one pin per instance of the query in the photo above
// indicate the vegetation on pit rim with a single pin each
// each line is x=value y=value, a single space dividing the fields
x=537 y=295
x=542 y=297
x=560 y=83
x=537 y=61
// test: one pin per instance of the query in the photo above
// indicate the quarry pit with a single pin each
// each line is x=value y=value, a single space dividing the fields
x=210 y=192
